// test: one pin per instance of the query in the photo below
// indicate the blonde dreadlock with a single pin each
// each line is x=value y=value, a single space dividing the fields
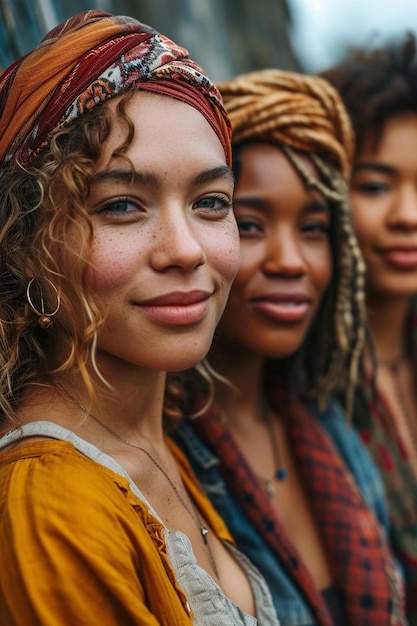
x=304 y=114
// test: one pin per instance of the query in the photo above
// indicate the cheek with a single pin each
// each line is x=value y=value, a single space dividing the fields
x=251 y=258
x=223 y=251
x=365 y=231
x=112 y=261
x=321 y=268
x=109 y=259
x=360 y=222
x=367 y=219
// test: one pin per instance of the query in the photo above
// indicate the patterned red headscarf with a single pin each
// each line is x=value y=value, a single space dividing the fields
x=86 y=60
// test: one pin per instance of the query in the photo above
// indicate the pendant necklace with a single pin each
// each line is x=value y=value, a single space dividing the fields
x=280 y=472
x=204 y=532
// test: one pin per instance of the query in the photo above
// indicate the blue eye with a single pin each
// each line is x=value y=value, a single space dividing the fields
x=218 y=203
x=120 y=206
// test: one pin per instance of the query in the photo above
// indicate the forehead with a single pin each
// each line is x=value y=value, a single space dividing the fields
x=262 y=157
x=166 y=131
x=398 y=134
x=266 y=167
x=269 y=183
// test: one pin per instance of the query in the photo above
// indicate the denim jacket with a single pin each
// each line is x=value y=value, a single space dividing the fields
x=289 y=598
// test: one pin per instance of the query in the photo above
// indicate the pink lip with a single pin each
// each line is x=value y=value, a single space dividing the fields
x=284 y=307
x=402 y=258
x=177 y=308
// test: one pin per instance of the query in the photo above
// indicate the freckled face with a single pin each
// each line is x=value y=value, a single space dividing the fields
x=285 y=256
x=166 y=246
x=384 y=198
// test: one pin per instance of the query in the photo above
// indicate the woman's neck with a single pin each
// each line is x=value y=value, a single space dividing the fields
x=387 y=321
x=133 y=408
x=244 y=400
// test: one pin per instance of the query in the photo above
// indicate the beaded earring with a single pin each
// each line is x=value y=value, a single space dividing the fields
x=44 y=318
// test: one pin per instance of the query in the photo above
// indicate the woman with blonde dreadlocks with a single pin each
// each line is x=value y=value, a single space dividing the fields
x=295 y=485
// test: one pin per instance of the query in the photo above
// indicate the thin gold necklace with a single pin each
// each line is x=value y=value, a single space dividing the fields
x=203 y=529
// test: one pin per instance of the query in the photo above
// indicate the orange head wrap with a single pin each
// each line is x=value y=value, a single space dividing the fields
x=86 y=60
x=294 y=110
x=306 y=114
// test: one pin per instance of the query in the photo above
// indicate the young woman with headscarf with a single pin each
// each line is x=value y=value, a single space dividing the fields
x=293 y=482
x=118 y=246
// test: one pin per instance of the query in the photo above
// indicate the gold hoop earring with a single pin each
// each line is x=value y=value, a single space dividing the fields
x=44 y=318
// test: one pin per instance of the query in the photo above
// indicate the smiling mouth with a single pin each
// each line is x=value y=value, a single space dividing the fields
x=401 y=258
x=177 y=298
x=283 y=311
x=179 y=309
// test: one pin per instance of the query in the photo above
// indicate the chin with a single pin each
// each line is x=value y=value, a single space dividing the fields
x=184 y=365
x=281 y=346
x=184 y=359
x=282 y=353
x=388 y=291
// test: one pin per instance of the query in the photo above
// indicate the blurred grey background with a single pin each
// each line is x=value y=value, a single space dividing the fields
x=225 y=36
x=228 y=37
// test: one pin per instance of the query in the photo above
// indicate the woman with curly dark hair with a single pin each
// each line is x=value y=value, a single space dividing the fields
x=379 y=88
x=118 y=246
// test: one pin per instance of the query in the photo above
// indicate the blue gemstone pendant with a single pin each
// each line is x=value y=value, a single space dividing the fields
x=281 y=473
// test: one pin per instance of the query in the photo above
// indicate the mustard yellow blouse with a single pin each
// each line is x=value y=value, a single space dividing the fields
x=77 y=546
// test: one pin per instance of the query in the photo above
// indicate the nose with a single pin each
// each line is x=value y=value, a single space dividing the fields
x=283 y=255
x=403 y=213
x=176 y=243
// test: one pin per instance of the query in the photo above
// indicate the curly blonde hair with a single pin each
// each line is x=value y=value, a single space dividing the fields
x=305 y=115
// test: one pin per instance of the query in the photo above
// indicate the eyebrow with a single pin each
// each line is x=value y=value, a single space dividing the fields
x=251 y=202
x=214 y=173
x=259 y=204
x=317 y=206
x=150 y=179
x=375 y=166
